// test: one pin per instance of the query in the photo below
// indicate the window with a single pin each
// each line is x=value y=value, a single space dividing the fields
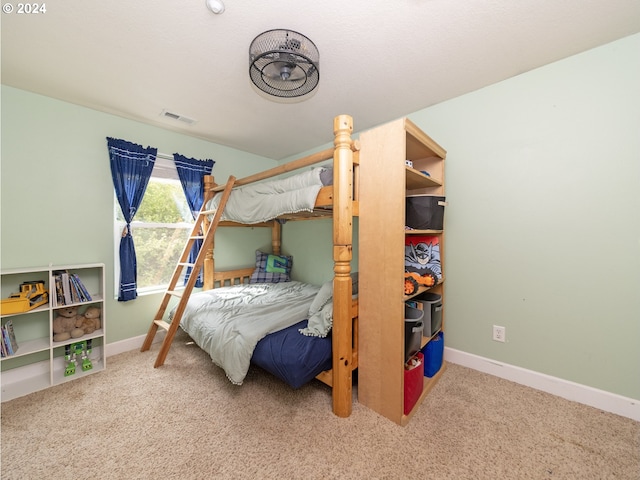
x=160 y=229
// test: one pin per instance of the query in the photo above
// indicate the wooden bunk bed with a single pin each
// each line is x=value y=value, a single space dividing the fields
x=338 y=201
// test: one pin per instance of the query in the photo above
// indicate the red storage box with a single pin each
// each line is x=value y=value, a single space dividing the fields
x=413 y=383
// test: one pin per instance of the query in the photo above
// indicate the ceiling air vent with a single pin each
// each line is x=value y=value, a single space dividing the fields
x=177 y=116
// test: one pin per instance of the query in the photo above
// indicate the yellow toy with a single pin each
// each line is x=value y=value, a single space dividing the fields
x=31 y=295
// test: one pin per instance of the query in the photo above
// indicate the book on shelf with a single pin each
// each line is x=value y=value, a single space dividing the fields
x=66 y=288
x=58 y=289
x=83 y=290
x=12 y=335
x=3 y=347
x=9 y=343
x=70 y=289
x=75 y=293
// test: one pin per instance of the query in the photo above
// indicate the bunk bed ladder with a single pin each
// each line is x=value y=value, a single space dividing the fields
x=199 y=226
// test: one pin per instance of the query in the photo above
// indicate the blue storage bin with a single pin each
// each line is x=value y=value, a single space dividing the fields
x=433 y=354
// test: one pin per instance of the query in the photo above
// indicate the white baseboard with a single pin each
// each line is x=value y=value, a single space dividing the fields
x=134 y=343
x=609 y=402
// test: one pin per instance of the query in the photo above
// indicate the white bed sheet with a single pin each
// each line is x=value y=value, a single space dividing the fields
x=259 y=202
x=228 y=322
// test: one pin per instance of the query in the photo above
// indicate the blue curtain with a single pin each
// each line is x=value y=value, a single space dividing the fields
x=191 y=173
x=131 y=167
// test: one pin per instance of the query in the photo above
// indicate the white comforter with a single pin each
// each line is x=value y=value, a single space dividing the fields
x=259 y=202
x=228 y=322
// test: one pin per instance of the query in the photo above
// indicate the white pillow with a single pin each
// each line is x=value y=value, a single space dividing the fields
x=320 y=322
x=324 y=296
x=320 y=312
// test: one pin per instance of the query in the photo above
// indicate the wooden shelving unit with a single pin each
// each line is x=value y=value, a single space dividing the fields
x=385 y=181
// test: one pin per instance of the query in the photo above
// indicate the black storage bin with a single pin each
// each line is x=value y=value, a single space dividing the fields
x=425 y=212
x=432 y=306
x=413 y=328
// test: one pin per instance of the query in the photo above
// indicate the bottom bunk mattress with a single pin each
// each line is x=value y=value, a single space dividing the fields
x=229 y=322
x=294 y=358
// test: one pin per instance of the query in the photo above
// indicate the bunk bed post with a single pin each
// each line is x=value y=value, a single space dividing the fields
x=276 y=237
x=208 y=265
x=342 y=255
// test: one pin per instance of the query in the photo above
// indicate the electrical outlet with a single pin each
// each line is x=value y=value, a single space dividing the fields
x=499 y=333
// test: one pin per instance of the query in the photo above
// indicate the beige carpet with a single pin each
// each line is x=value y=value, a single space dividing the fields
x=186 y=421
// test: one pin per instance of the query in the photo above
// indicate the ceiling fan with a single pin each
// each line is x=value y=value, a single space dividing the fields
x=284 y=63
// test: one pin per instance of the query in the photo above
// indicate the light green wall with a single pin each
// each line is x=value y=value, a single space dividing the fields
x=312 y=249
x=543 y=223
x=57 y=194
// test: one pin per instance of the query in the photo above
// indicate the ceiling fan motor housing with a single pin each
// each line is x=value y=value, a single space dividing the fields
x=284 y=63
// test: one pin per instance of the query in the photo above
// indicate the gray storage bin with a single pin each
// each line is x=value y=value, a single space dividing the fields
x=432 y=306
x=413 y=328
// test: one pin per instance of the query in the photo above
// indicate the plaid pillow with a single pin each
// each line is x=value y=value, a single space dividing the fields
x=271 y=268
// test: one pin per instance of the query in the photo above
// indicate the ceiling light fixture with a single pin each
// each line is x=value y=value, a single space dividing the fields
x=216 y=6
x=284 y=63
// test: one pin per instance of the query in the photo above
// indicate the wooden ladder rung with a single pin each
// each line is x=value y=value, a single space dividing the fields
x=162 y=324
x=175 y=293
x=208 y=212
x=185 y=264
x=197 y=237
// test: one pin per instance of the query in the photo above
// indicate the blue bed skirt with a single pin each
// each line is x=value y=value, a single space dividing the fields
x=293 y=357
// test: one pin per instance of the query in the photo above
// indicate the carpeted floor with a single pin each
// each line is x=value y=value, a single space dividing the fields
x=186 y=421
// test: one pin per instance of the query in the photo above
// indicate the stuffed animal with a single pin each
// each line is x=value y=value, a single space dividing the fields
x=89 y=321
x=64 y=325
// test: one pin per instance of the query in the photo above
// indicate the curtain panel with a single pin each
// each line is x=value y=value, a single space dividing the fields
x=131 y=167
x=191 y=173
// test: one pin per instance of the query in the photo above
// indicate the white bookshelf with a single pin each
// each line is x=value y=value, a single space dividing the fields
x=39 y=362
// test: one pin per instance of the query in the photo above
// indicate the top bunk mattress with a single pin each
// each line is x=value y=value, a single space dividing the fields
x=264 y=201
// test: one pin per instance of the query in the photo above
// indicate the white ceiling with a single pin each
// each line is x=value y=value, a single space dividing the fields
x=379 y=60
